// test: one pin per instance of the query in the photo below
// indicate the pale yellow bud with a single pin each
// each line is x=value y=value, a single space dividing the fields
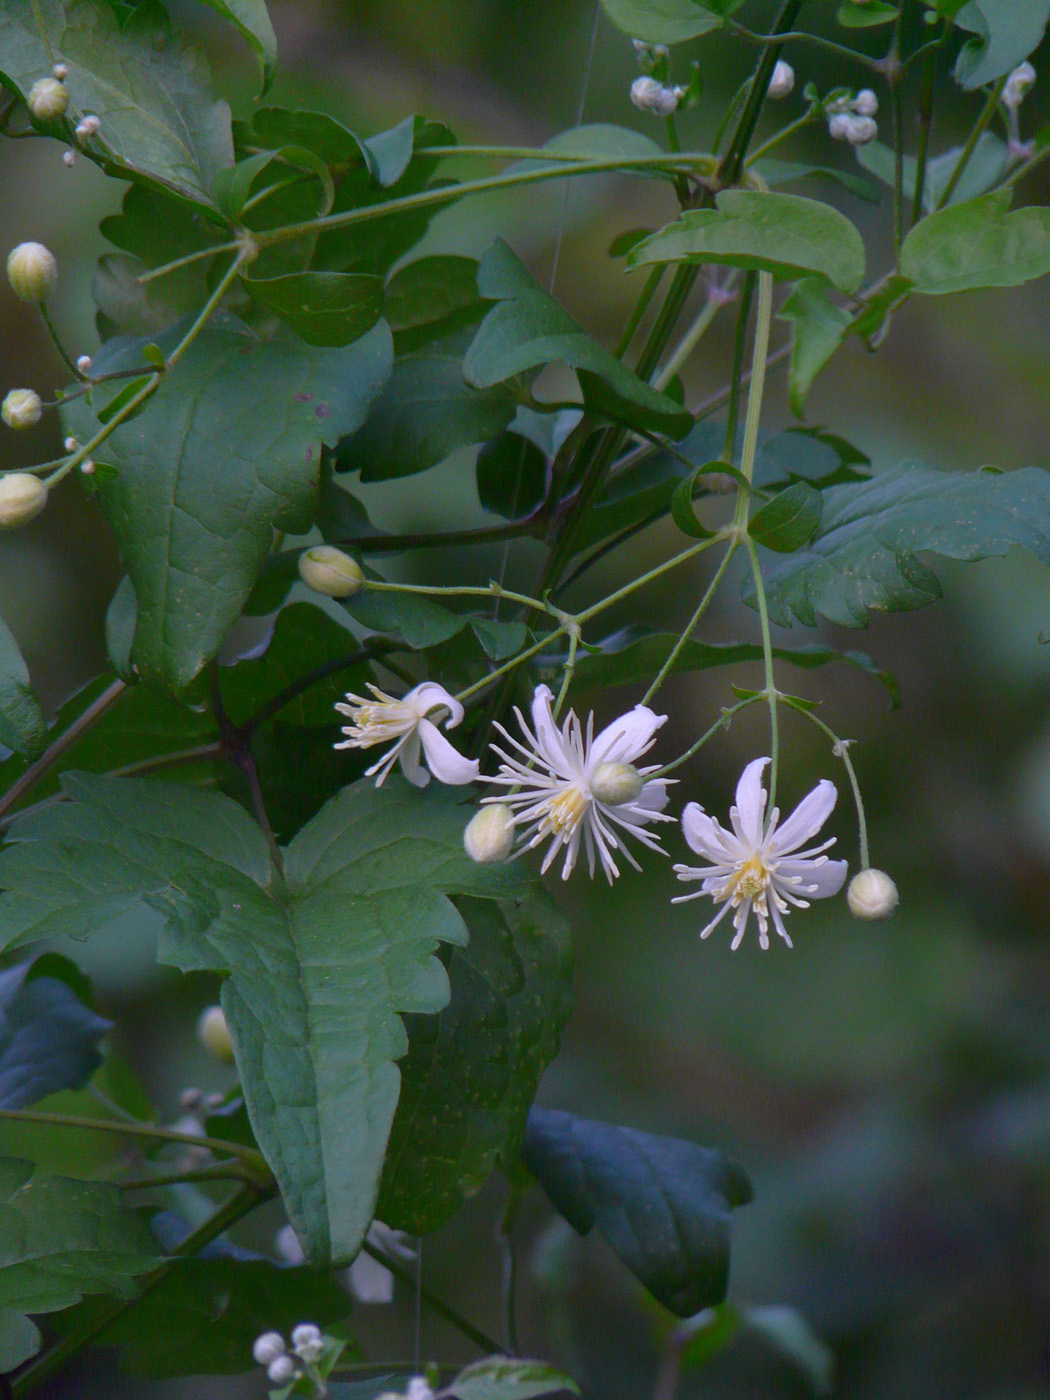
x=489 y=835
x=872 y=895
x=48 y=99
x=21 y=408
x=214 y=1034
x=22 y=496
x=32 y=271
x=616 y=783
x=328 y=570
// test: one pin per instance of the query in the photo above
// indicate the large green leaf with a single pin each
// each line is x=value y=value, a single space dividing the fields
x=509 y=1378
x=60 y=1239
x=324 y=308
x=22 y=725
x=322 y=961
x=49 y=1038
x=865 y=554
x=660 y=21
x=227 y=452
x=432 y=297
x=977 y=244
x=779 y=233
x=1005 y=32
x=662 y=1204
x=251 y=18
x=159 y=122
x=471 y=1072
x=987 y=164
x=528 y=329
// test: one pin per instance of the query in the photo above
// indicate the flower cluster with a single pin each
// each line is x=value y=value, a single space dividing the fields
x=852 y=119
x=284 y=1364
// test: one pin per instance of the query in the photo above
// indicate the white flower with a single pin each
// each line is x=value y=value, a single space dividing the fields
x=1017 y=85
x=572 y=787
x=651 y=96
x=369 y=1281
x=782 y=81
x=307 y=1342
x=758 y=865
x=386 y=718
x=872 y=895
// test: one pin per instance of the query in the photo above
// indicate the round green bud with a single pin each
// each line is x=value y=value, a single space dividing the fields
x=489 y=835
x=214 y=1034
x=22 y=496
x=32 y=271
x=48 y=99
x=616 y=783
x=328 y=570
x=872 y=895
x=21 y=408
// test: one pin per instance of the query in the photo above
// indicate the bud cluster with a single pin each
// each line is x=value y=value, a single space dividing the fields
x=650 y=95
x=283 y=1365
x=852 y=119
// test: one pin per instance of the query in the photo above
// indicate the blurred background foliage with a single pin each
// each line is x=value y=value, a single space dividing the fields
x=888 y=1085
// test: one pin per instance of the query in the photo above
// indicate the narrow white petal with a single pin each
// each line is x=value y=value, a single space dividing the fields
x=429 y=696
x=413 y=770
x=716 y=920
x=707 y=837
x=751 y=802
x=808 y=817
x=820 y=878
x=627 y=738
x=445 y=762
x=550 y=743
x=654 y=796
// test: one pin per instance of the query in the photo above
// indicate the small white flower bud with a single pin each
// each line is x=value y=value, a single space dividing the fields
x=70 y=444
x=83 y=363
x=282 y=1370
x=648 y=95
x=865 y=104
x=88 y=126
x=489 y=834
x=60 y=71
x=419 y=1389
x=48 y=99
x=616 y=783
x=858 y=131
x=213 y=1102
x=308 y=1342
x=87 y=467
x=190 y=1099
x=21 y=408
x=328 y=570
x=268 y=1348
x=22 y=496
x=782 y=81
x=214 y=1034
x=68 y=159
x=32 y=271
x=1017 y=85
x=872 y=895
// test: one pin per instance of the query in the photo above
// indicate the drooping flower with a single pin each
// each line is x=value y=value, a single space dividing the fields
x=759 y=864
x=575 y=787
x=385 y=718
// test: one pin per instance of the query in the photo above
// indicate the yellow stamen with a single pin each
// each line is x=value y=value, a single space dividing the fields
x=748 y=882
x=566 y=811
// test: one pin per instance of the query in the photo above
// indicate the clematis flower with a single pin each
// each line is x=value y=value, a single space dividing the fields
x=758 y=865
x=576 y=787
x=405 y=721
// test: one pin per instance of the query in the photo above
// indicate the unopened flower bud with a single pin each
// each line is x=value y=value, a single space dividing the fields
x=22 y=496
x=419 y=1389
x=88 y=126
x=328 y=570
x=83 y=363
x=782 y=81
x=651 y=96
x=872 y=895
x=1017 y=85
x=307 y=1342
x=616 y=783
x=858 y=131
x=68 y=159
x=268 y=1348
x=21 y=408
x=70 y=444
x=214 y=1034
x=191 y=1099
x=865 y=104
x=48 y=99
x=87 y=467
x=60 y=71
x=32 y=271
x=489 y=834
x=282 y=1370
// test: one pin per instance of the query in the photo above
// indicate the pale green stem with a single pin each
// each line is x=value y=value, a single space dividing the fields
x=667 y=667
x=840 y=748
x=689 y=342
x=510 y=665
x=806 y=119
x=722 y=722
x=983 y=122
x=248 y=1155
x=492 y=590
x=767 y=659
x=569 y=670
x=756 y=388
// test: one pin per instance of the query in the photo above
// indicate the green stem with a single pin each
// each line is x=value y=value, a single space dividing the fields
x=492 y=590
x=722 y=722
x=898 y=164
x=218 y=1171
x=667 y=667
x=56 y=340
x=717 y=298
x=568 y=671
x=251 y=1158
x=736 y=377
x=807 y=119
x=840 y=748
x=480 y=1340
x=983 y=122
x=640 y=307
x=649 y=576
x=770 y=691
x=732 y=163
x=800 y=36
x=922 y=149
x=756 y=389
x=513 y=663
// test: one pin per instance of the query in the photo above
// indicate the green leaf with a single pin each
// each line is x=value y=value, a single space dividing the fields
x=864 y=14
x=1005 y=33
x=328 y=138
x=784 y=234
x=19 y=1339
x=432 y=297
x=251 y=19
x=601 y=141
x=227 y=451
x=471 y=1072
x=231 y=187
x=499 y=639
x=782 y=172
x=321 y=962
x=506 y=1378
x=662 y=1204
x=865 y=554
x=159 y=122
x=528 y=329
x=978 y=244
x=638 y=661
x=511 y=475
x=49 y=1039
x=682 y=500
x=819 y=328
x=22 y=725
x=785 y=523
x=660 y=21
x=323 y=308
x=418 y=621
x=786 y=1331
x=121 y=617
x=986 y=166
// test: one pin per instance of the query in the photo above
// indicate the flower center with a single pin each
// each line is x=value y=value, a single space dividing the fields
x=748 y=882
x=566 y=810
x=376 y=724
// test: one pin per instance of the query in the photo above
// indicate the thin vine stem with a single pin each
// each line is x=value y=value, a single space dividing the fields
x=840 y=748
x=251 y=1158
x=474 y=1334
x=981 y=126
x=770 y=692
x=690 y=628
x=800 y=36
x=722 y=722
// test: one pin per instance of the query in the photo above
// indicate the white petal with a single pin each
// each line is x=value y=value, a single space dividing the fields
x=429 y=696
x=707 y=837
x=370 y=1282
x=445 y=762
x=751 y=802
x=807 y=818
x=653 y=797
x=548 y=738
x=413 y=770
x=828 y=877
x=627 y=738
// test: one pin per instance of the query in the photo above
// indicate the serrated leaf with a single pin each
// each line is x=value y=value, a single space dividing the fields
x=662 y=1204
x=784 y=234
x=528 y=329
x=471 y=1072
x=22 y=724
x=323 y=308
x=819 y=328
x=1005 y=33
x=785 y=523
x=508 y=1378
x=660 y=21
x=251 y=18
x=865 y=554
x=49 y=1039
x=977 y=244
x=227 y=451
x=159 y=122
x=321 y=961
